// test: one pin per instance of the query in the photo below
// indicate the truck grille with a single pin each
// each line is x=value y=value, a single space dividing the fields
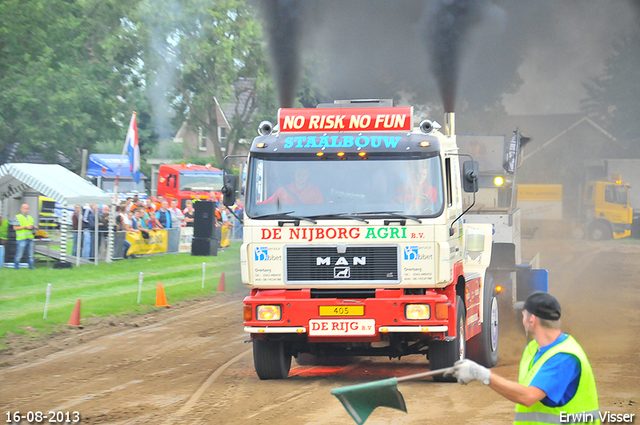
x=357 y=264
x=351 y=293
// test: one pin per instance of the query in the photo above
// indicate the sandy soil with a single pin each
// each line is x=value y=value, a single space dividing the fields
x=190 y=364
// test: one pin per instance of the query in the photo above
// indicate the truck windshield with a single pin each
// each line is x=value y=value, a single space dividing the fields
x=338 y=188
x=200 y=181
x=615 y=194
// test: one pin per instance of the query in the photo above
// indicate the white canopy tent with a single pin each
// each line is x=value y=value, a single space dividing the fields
x=57 y=183
x=53 y=181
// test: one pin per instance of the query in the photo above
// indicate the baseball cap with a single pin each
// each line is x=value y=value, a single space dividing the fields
x=543 y=305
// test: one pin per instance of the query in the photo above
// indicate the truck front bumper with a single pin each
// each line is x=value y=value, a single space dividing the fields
x=384 y=314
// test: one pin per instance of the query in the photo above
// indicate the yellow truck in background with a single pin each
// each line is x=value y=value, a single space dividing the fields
x=604 y=212
x=606 y=209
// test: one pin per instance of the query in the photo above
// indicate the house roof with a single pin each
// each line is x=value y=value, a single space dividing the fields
x=11 y=155
x=245 y=97
x=53 y=181
x=544 y=130
x=185 y=128
x=560 y=146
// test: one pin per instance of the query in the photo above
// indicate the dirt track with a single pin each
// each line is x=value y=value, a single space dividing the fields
x=190 y=365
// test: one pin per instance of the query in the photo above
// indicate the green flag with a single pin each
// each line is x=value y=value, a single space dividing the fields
x=361 y=400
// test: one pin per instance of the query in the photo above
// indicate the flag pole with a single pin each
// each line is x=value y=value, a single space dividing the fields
x=112 y=210
x=124 y=150
x=362 y=399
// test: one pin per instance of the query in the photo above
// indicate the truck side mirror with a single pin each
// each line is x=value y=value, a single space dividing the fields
x=229 y=189
x=470 y=176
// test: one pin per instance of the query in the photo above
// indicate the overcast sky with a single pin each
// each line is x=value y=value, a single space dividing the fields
x=363 y=49
x=558 y=62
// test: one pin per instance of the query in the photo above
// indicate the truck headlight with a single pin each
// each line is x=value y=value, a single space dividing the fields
x=268 y=312
x=417 y=311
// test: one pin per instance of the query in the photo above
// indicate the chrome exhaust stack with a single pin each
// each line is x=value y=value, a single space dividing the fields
x=449 y=124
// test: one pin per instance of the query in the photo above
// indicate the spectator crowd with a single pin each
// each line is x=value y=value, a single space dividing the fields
x=142 y=216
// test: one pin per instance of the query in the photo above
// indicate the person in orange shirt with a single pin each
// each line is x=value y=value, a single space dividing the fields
x=300 y=191
x=150 y=206
x=136 y=205
x=157 y=201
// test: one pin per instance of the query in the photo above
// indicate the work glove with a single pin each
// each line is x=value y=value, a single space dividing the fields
x=466 y=371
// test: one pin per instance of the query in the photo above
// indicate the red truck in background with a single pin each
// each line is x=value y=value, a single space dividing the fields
x=189 y=182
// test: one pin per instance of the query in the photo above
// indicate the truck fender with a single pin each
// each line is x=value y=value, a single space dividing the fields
x=503 y=257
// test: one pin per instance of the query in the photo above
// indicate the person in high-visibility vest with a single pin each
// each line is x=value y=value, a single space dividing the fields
x=24 y=236
x=4 y=230
x=555 y=384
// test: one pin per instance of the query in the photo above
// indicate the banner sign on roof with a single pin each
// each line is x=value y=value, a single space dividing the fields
x=345 y=119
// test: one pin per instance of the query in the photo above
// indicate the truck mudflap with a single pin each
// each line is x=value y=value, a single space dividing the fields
x=365 y=319
x=529 y=280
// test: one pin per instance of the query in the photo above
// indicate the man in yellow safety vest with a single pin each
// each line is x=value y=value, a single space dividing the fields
x=24 y=236
x=555 y=384
x=4 y=230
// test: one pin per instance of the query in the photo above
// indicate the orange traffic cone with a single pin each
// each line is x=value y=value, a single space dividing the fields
x=75 y=316
x=161 y=298
x=221 y=285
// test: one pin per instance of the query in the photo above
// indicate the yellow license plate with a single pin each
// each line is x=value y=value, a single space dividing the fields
x=342 y=310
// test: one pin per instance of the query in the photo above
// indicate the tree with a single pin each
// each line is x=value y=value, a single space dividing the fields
x=204 y=48
x=254 y=101
x=64 y=68
x=613 y=98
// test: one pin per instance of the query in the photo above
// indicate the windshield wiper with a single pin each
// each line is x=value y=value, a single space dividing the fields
x=349 y=216
x=394 y=214
x=285 y=215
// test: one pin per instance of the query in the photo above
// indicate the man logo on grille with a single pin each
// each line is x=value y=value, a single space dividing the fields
x=341 y=272
x=261 y=254
x=326 y=261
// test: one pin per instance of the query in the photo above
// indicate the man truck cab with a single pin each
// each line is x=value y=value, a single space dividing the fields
x=380 y=260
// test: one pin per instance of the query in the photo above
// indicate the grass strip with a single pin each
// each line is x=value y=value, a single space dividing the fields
x=107 y=289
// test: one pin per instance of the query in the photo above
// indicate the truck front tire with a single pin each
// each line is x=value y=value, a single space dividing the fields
x=599 y=231
x=271 y=359
x=483 y=348
x=444 y=354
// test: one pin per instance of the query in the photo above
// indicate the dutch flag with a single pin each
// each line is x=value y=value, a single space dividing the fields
x=132 y=149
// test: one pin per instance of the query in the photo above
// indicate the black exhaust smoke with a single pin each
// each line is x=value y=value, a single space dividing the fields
x=445 y=26
x=282 y=22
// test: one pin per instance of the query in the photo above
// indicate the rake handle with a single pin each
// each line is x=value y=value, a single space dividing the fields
x=424 y=374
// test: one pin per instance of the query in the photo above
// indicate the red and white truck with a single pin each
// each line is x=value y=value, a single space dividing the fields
x=356 y=242
x=189 y=182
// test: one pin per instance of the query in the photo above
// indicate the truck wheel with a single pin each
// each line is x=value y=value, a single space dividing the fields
x=271 y=359
x=444 y=354
x=483 y=348
x=599 y=231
